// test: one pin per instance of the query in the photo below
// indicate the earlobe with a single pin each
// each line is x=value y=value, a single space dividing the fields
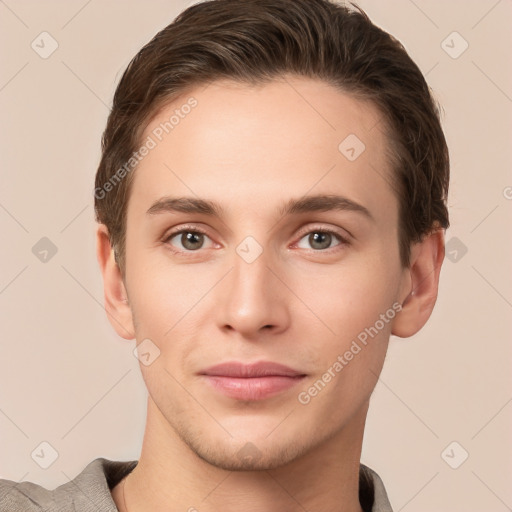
x=116 y=299
x=421 y=280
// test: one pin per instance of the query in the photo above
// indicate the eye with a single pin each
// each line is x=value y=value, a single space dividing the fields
x=321 y=239
x=187 y=240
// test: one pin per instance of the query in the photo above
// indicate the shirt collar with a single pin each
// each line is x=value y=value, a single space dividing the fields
x=101 y=475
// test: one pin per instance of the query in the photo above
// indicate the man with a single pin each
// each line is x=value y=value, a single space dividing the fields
x=271 y=203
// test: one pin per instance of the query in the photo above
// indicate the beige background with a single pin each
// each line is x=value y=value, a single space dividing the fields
x=67 y=379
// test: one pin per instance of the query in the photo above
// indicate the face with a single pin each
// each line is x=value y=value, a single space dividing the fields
x=293 y=294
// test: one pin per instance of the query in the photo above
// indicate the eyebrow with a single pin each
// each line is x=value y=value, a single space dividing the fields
x=306 y=204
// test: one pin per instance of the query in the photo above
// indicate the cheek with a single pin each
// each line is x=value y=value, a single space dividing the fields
x=348 y=361
x=163 y=293
x=344 y=299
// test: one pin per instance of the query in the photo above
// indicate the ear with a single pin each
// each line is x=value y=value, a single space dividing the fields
x=116 y=299
x=420 y=285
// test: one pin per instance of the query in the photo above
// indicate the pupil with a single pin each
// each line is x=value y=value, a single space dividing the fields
x=320 y=238
x=189 y=240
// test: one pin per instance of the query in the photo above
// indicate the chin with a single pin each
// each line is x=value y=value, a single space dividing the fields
x=246 y=446
x=249 y=457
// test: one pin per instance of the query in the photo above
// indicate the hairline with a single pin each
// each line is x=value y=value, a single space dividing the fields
x=391 y=153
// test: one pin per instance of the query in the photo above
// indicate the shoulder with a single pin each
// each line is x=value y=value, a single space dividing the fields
x=372 y=493
x=89 y=491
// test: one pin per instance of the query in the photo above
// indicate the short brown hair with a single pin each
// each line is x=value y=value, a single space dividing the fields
x=255 y=41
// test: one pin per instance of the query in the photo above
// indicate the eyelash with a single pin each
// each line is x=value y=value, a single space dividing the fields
x=343 y=241
x=193 y=229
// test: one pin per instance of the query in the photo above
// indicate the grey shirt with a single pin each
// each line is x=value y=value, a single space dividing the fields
x=90 y=490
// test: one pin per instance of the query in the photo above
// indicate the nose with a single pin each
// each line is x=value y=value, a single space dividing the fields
x=252 y=299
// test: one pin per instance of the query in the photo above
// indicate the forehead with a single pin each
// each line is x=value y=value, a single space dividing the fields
x=253 y=144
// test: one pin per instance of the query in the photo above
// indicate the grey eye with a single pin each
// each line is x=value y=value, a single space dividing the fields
x=188 y=240
x=319 y=240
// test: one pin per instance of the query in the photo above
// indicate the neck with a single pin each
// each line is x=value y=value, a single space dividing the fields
x=171 y=477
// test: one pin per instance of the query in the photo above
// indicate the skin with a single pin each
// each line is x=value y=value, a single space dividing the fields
x=300 y=303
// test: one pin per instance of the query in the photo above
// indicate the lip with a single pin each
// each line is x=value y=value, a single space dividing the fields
x=254 y=381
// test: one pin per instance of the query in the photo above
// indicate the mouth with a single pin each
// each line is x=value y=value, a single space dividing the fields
x=255 y=381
